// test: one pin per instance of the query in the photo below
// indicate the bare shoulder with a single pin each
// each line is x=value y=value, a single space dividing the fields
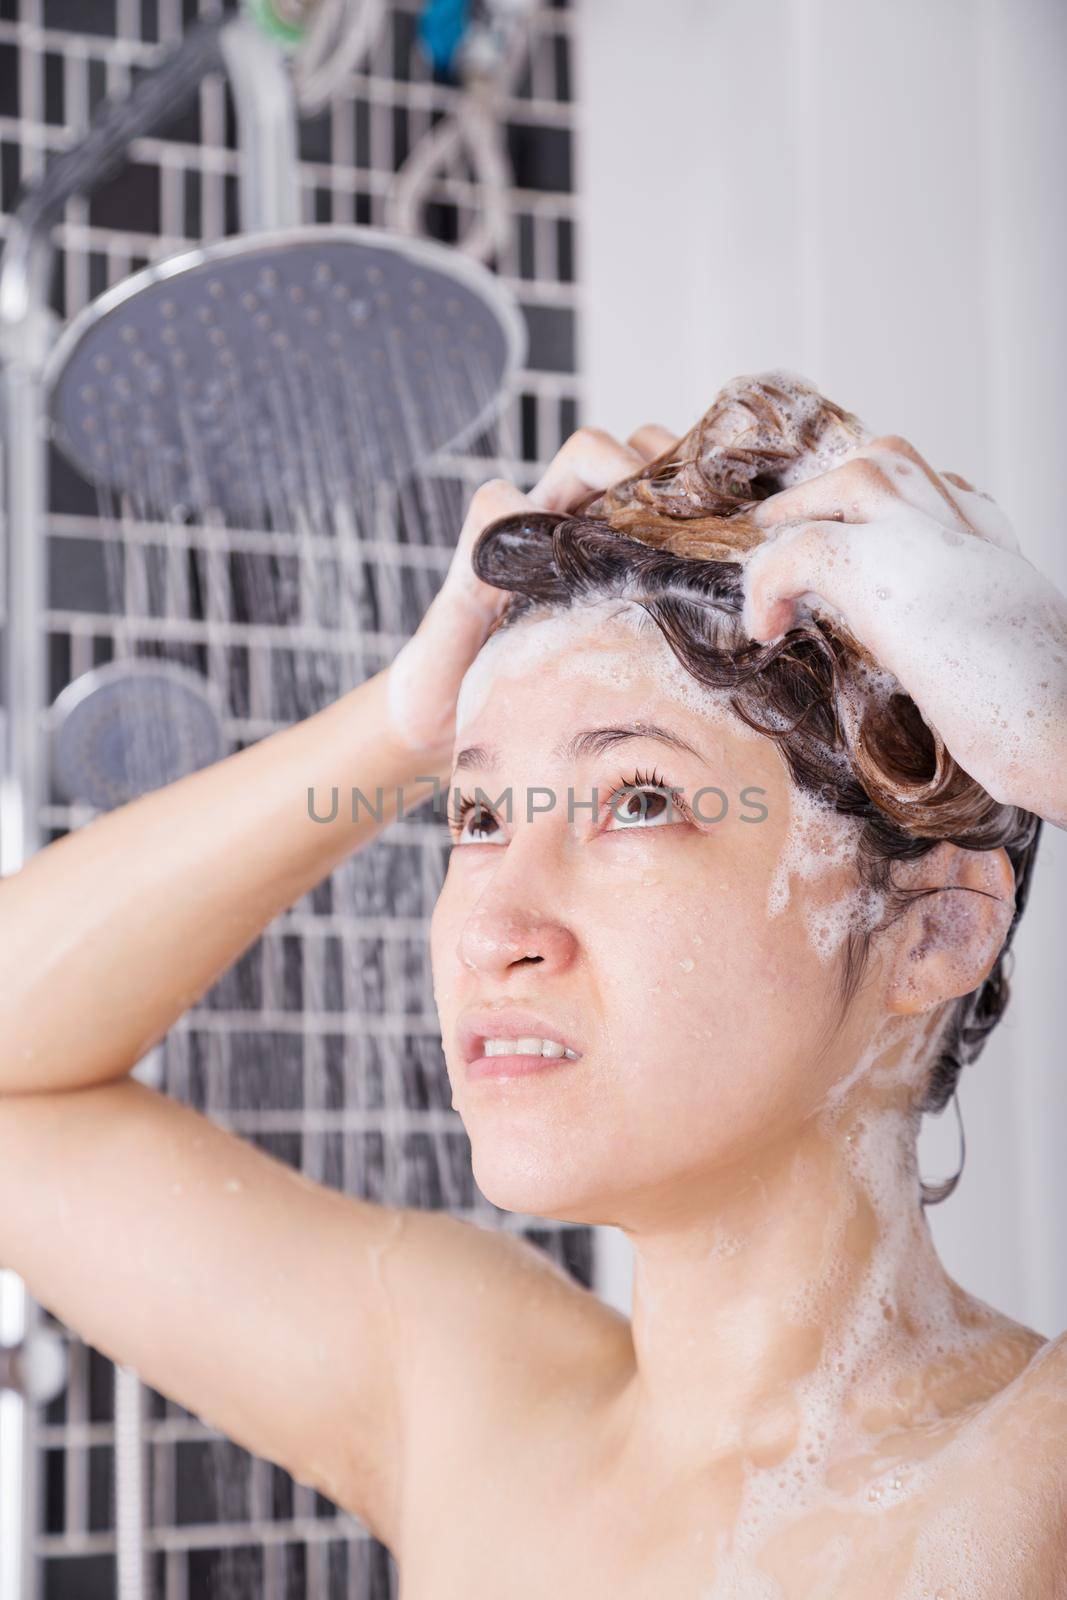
x=1034 y=1404
x=1019 y=1457
x=1035 y=1455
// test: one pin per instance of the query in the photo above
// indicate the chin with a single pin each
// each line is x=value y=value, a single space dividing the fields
x=528 y=1175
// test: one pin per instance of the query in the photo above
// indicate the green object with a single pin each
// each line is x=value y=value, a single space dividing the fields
x=270 y=16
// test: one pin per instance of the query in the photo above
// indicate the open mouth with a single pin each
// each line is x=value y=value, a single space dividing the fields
x=513 y=1045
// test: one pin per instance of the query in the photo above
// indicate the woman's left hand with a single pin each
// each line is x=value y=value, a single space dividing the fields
x=927 y=574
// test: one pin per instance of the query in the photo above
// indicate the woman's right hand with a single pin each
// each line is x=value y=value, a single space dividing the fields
x=425 y=675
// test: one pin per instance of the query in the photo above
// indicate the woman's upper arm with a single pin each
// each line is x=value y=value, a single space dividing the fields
x=328 y=1334
x=245 y=1292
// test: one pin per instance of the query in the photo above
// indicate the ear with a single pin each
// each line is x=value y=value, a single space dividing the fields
x=948 y=938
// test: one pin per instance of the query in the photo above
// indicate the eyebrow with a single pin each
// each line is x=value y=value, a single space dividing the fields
x=589 y=742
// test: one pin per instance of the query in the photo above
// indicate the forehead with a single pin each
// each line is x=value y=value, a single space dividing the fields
x=597 y=662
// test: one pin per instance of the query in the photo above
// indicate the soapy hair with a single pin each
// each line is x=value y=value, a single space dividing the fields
x=674 y=539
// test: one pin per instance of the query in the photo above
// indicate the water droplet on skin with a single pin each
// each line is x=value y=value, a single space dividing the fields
x=234 y=1185
x=687 y=963
x=177 y=1188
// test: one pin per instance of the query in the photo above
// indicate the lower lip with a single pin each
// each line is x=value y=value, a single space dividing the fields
x=514 y=1066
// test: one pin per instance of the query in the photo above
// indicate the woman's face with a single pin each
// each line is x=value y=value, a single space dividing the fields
x=706 y=1024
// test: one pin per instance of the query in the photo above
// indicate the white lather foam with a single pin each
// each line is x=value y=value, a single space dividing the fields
x=820 y=841
x=989 y=674
x=901 y=1317
x=520 y=650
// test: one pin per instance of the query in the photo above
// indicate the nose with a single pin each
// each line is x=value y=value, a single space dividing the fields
x=494 y=940
x=514 y=926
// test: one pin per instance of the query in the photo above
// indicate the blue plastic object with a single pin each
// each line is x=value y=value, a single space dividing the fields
x=442 y=26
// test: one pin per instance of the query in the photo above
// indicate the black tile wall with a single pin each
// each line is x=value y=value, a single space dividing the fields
x=81 y=16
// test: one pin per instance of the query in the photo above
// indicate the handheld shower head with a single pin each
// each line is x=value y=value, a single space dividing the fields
x=123 y=729
x=271 y=371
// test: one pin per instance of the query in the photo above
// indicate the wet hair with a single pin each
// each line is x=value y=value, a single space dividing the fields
x=673 y=540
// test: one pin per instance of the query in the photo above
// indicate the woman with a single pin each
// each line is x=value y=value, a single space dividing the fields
x=711 y=1024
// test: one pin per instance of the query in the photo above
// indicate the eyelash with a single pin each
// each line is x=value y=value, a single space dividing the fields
x=640 y=780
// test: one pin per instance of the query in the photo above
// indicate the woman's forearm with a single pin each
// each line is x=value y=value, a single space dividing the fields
x=110 y=934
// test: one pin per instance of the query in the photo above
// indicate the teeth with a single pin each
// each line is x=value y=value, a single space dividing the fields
x=526 y=1046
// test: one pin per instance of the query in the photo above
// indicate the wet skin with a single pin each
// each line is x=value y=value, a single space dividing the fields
x=502 y=1430
x=691 y=1120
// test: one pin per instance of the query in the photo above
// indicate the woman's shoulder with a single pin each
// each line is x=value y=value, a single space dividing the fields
x=1026 y=1373
x=1017 y=1449
x=1042 y=1380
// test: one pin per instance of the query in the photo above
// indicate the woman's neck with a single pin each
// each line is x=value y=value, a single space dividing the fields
x=798 y=1306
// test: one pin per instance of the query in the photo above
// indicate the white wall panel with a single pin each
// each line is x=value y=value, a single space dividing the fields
x=871 y=194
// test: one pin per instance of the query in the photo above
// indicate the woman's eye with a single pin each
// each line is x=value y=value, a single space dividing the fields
x=644 y=807
x=476 y=825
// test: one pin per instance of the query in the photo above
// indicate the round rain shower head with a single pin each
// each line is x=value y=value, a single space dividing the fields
x=131 y=726
x=274 y=371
